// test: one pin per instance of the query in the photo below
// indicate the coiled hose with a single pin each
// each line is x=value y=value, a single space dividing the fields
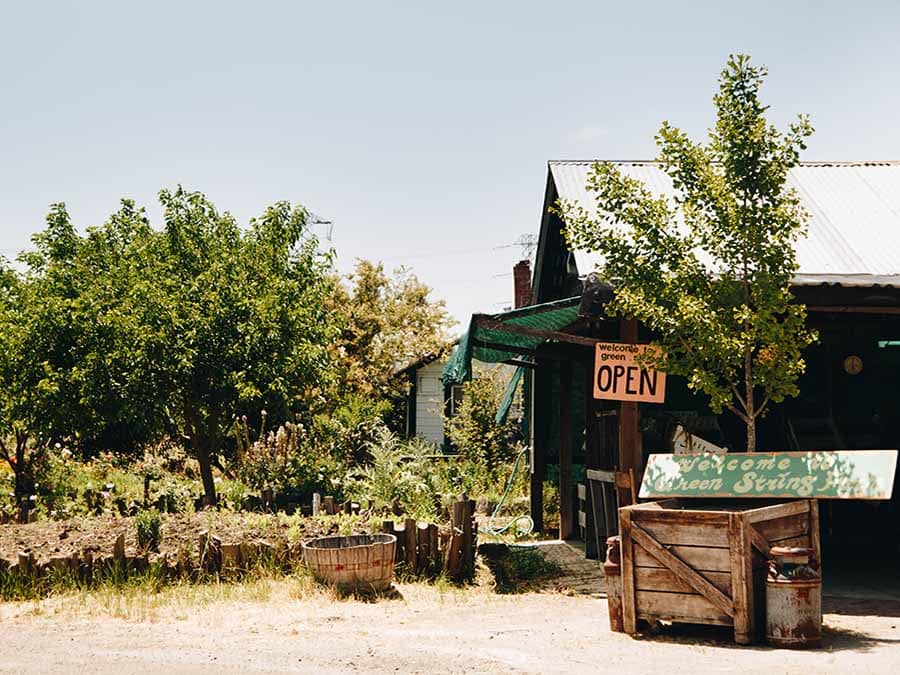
x=498 y=532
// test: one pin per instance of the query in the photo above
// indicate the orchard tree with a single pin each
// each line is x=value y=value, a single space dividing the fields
x=225 y=320
x=710 y=272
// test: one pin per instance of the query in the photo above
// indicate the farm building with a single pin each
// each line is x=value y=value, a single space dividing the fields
x=849 y=278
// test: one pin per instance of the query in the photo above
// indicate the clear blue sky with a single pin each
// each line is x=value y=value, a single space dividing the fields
x=421 y=129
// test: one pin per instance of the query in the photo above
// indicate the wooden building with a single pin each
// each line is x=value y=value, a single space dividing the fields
x=849 y=278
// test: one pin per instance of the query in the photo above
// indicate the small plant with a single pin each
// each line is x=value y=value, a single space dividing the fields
x=147 y=524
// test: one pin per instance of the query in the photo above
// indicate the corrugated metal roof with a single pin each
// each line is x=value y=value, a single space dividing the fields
x=854 y=228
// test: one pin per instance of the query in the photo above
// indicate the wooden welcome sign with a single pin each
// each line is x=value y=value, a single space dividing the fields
x=618 y=378
x=824 y=474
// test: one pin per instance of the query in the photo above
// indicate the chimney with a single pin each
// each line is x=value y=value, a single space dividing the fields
x=522 y=283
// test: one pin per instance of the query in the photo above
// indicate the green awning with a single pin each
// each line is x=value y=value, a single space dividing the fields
x=508 y=336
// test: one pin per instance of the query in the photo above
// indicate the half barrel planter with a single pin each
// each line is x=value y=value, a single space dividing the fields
x=705 y=561
x=360 y=562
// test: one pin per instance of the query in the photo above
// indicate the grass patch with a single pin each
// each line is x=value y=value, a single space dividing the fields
x=518 y=570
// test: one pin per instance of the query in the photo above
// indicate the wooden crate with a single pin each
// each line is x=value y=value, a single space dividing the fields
x=700 y=561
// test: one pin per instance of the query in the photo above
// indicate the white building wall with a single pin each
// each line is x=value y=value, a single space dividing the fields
x=430 y=403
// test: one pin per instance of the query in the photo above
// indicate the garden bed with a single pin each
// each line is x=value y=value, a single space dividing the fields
x=48 y=540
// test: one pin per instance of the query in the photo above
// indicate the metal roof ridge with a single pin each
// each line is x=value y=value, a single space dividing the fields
x=820 y=163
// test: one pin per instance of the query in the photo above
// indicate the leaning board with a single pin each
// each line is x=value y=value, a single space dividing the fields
x=820 y=474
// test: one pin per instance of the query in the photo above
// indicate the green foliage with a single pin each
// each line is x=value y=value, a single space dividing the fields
x=122 y=336
x=710 y=273
x=388 y=322
x=398 y=470
x=287 y=461
x=474 y=432
x=147 y=526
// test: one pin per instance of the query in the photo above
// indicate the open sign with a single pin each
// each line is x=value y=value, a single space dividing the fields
x=618 y=378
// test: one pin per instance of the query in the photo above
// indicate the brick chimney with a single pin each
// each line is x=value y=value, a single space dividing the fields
x=522 y=283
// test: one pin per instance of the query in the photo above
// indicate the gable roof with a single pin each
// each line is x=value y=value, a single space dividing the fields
x=854 y=227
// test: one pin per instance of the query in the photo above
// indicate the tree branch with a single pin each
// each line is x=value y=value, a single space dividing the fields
x=737 y=412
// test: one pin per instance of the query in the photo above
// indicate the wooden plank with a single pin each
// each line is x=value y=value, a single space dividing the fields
x=783 y=528
x=682 y=569
x=760 y=543
x=677 y=516
x=814 y=534
x=601 y=475
x=663 y=579
x=701 y=558
x=741 y=579
x=628 y=550
x=679 y=607
x=409 y=544
x=582 y=491
x=540 y=414
x=685 y=534
x=778 y=511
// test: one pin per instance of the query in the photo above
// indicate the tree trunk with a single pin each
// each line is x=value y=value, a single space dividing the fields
x=203 y=458
x=751 y=435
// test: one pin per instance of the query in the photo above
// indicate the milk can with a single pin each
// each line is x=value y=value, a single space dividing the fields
x=793 y=598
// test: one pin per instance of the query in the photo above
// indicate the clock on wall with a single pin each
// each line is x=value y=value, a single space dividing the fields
x=853 y=365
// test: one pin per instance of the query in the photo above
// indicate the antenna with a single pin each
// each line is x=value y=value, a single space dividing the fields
x=315 y=219
x=528 y=243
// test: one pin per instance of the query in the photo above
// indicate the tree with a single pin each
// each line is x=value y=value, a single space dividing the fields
x=37 y=349
x=710 y=273
x=388 y=323
x=227 y=321
x=126 y=334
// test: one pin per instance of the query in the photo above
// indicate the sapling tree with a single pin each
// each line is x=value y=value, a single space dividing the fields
x=709 y=271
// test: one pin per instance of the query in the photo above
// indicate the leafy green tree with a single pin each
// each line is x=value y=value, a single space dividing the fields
x=710 y=273
x=389 y=321
x=228 y=321
x=128 y=333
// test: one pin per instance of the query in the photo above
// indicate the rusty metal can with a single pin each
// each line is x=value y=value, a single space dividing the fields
x=613 y=572
x=793 y=598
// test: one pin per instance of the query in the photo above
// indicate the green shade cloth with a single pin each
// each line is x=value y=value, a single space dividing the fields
x=509 y=395
x=551 y=316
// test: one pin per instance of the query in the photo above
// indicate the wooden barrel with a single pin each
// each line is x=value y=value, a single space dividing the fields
x=361 y=562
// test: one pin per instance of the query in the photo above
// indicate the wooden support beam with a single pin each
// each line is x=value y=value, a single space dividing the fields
x=566 y=481
x=489 y=323
x=631 y=441
x=685 y=572
x=540 y=408
x=852 y=310
x=760 y=543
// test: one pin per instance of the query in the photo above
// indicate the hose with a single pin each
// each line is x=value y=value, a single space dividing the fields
x=498 y=532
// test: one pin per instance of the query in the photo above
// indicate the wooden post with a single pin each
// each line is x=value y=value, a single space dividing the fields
x=629 y=607
x=631 y=448
x=329 y=505
x=410 y=528
x=316 y=503
x=741 y=554
x=539 y=416
x=591 y=461
x=566 y=482
x=424 y=544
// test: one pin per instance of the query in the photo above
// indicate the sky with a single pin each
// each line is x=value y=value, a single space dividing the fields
x=421 y=130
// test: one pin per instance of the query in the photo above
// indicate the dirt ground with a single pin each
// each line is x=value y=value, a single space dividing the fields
x=421 y=630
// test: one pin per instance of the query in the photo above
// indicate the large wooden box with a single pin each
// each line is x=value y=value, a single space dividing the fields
x=702 y=561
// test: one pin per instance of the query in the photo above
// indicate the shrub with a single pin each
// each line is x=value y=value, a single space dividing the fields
x=473 y=430
x=398 y=470
x=147 y=524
